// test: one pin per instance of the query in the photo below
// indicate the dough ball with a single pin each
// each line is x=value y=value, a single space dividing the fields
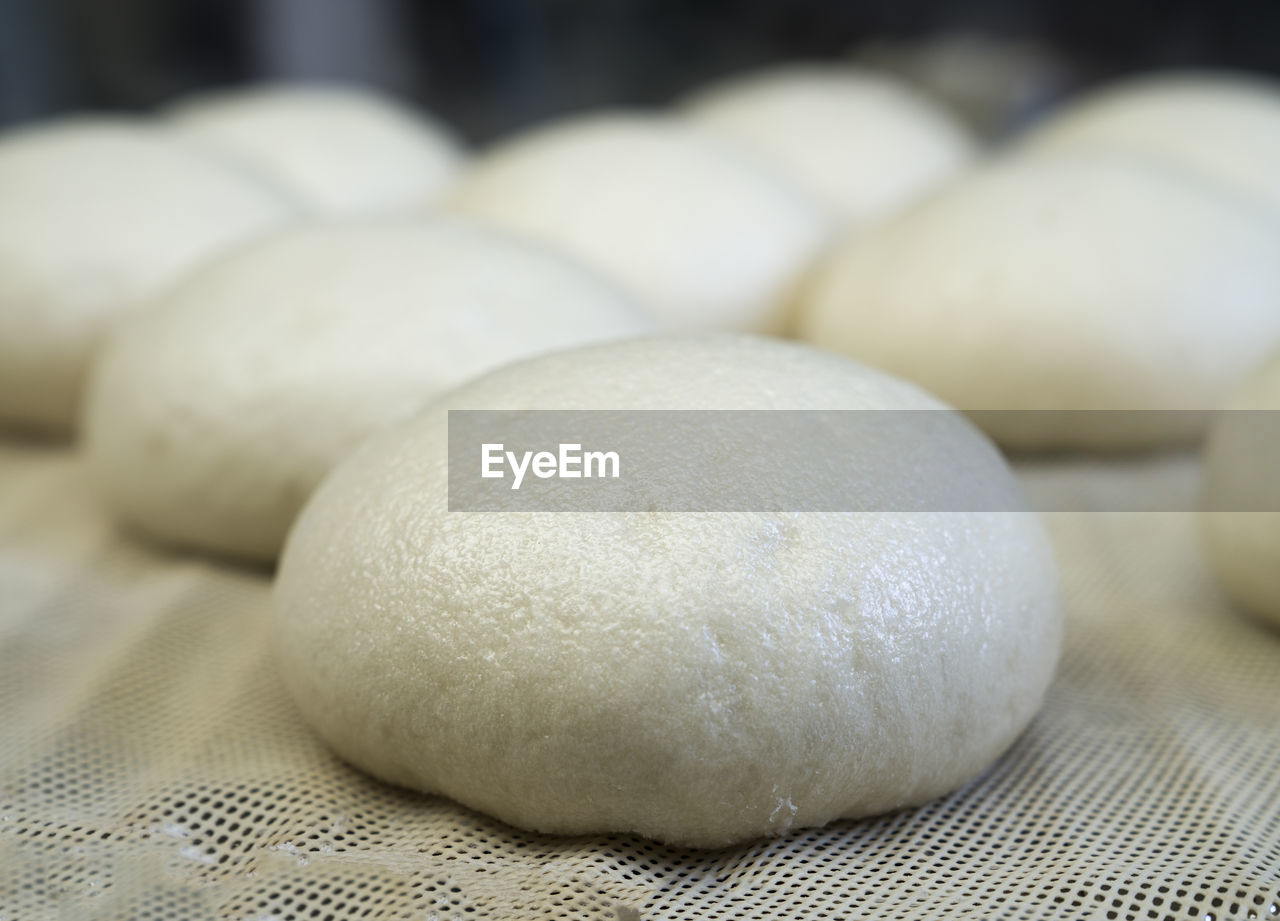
x=862 y=144
x=340 y=151
x=1062 y=282
x=701 y=232
x=1242 y=493
x=98 y=213
x=213 y=413
x=697 y=678
x=1226 y=127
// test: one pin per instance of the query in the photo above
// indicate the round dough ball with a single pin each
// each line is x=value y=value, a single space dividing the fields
x=863 y=144
x=1067 y=282
x=697 y=678
x=214 y=413
x=98 y=213
x=697 y=230
x=1224 y=126
x=1242 y=493
x=341 y=152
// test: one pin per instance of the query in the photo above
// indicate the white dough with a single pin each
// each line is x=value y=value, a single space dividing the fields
x=1224 y=126
x=1062 y=282
x=340 y=151
x=861 y=143
x=700 y=678
x=695 y=228
x=214 y=413
x=1242 y=472
x=96 y=213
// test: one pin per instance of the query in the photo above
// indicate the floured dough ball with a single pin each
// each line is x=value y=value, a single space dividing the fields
x=861 y=143
x=1062 y=282
x=96 y=213
x=1224 y=126
x=213 y=413
x=1242 y=493
x=694 y=228
x=697 y=678
x=339 y=151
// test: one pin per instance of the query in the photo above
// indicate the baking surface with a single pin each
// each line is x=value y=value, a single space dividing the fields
x=152 y=767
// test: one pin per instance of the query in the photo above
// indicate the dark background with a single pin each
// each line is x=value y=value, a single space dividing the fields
x=490 y=66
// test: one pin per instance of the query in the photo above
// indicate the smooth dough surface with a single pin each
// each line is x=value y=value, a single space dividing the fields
x=1072 y=281
x=1242 y=489
x=98 y=213
x=1224 y=126
x=213 y=413
x=698 y=678
x=339 y=151
x=861 y=143
x=709 y=237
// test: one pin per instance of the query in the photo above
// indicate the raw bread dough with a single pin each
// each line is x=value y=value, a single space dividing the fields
x=1067 y=281
x=340 y=151
x=96 y=213
x=1241 y=473
x=696 y=228
x=698 y=678
x=1224 y=126
x=213 y=413
x=861 y=143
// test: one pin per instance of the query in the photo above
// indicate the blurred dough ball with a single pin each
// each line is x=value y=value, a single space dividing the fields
x=697 y=230
x=96 y=213
x=339 y=151
x=1224 y=126
x=1242 y=493
x=860 y=143
x=1067 y=282
x=213 y=413
x=702 y=678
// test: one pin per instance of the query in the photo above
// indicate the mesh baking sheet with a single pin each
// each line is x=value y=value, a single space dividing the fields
x=152 y=767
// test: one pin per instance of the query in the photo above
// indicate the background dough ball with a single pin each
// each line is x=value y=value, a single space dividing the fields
x=1224 y=126
x=214 y=413
x=339 y=151
x=861 y=143
x=1065 y=282
x=95 y=214
x=1242 y=493
x=701 y=232
x=697 y=678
